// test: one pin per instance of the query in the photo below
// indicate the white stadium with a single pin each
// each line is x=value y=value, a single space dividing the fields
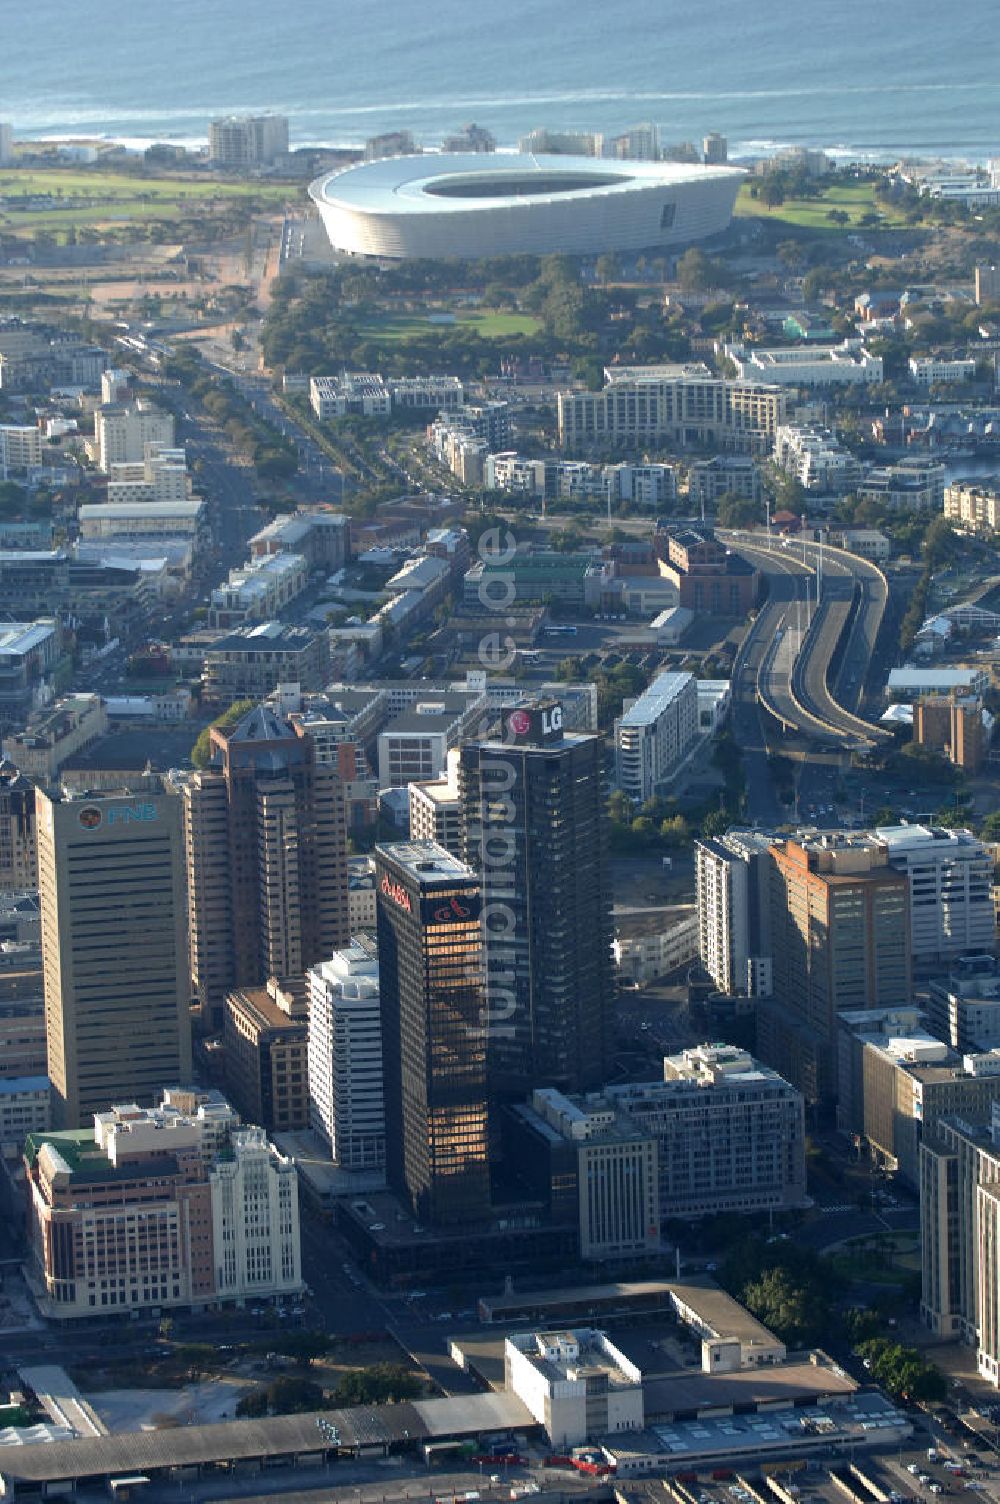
x=503 y=204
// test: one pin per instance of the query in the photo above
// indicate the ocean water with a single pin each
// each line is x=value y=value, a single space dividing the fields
x=859 y=77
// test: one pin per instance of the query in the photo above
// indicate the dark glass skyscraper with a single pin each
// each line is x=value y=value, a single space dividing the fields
x=433 y=1042
x=535 y=824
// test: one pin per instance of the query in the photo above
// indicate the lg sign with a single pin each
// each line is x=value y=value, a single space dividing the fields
x=539 y=724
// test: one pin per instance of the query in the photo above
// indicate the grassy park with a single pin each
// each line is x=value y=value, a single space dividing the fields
x=853 y=199
x=488 y=323
x=54 y=199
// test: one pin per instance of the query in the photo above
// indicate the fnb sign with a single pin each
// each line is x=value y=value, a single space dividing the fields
x=397 y=893
x=131 y=814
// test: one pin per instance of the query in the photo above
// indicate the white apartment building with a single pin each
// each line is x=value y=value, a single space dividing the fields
x=6 y=143
x=975 y=507
x=433 y=393
x=930 y=371
x=115 y=387
x=246 y=141
x=346 y=1098
x=162 y=475
x=121 y=434
x=816 y=459
x=641 y=958
x=576 y=1384
x=20 y=447
x=654 y=733
x=950 y=875
x=360 y=392
x=255 y=1220
x=911 y=483
x=846 y=364
x=259 y=590
x=722 y=880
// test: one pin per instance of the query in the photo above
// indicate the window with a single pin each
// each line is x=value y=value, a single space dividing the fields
x=667 y=216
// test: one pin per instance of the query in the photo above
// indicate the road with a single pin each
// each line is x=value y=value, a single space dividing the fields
x=794 y=676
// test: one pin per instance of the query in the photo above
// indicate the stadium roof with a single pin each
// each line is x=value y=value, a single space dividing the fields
x=450 y=183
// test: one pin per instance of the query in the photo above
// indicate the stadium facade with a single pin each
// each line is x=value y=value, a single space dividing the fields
x=436 y=206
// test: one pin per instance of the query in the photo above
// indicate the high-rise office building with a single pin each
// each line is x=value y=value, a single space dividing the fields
x=111 y=881
x=267 y=858
x=534 y=804
x=433 y=1035
x=346 y=1097
x=840 y=939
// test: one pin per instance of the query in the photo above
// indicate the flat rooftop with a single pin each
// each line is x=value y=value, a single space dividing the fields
x=720 y=1313
x=188 y=1446
x=425 y=861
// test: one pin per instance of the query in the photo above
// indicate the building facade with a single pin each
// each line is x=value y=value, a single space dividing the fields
x=111 y=881
x=654 y=734
x=840 y=939
x=535 y=825
x=266 y=850
x=346 y=1093
x=264 y=1034
x=158 y=1208
x=434 y=1044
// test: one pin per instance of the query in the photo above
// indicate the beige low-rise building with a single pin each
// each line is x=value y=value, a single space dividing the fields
x=264 y=1035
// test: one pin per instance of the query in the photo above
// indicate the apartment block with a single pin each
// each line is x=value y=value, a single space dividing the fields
x=264 y=1036
x=934 y=371
x=20 y=447
x=252 y=661
x=954 y=727
x=322 y=537
x=975 y=507
x=347 y=1098
x=732 y=881
x=896 y=1082
x=677 y=404
x=29 y=652
x=911 y=483
x=816 y=459
x=436 y=808
x=840 y=940
x=808 y=364
x=111 y=882
x=950 y=874
x=654 y=734
x=170 y=1206
x=241 y=142
x=122 y=434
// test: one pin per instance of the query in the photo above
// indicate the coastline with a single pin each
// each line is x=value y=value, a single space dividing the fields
x=741 y=152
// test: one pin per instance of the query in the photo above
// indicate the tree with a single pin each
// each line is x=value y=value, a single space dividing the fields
x=607 y=268
x=201 y=752
x=737 y=511
x=772 y=195
x=696 y=271
x=380 y=1384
